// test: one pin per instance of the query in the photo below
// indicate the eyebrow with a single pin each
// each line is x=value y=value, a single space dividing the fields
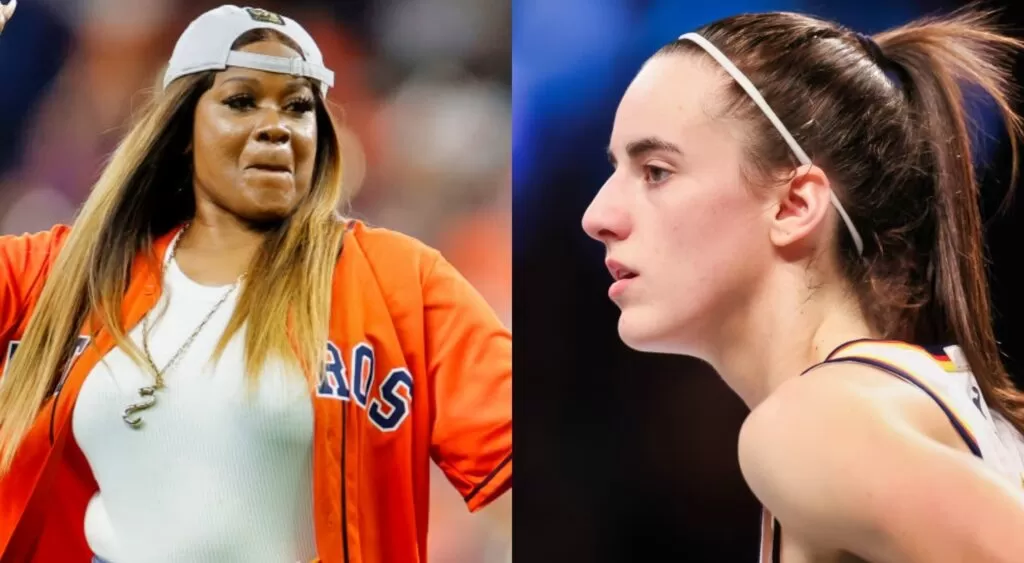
x=294 y=84
x=640 y=147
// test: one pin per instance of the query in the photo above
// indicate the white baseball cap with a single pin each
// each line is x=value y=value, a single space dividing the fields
x=206 y=45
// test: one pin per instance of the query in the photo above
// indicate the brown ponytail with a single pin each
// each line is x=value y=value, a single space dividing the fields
x=941 y=56
x=886 y=119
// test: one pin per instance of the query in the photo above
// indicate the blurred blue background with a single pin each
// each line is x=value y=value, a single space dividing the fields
x=572 y=60
x=625 y=456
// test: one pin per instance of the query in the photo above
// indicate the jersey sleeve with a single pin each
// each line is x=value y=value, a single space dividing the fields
x=469 y=358
x=25 y=261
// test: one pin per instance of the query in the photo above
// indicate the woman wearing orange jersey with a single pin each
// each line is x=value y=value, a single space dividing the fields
x=211 y=365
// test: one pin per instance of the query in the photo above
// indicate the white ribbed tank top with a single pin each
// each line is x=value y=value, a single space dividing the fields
x=213 y=476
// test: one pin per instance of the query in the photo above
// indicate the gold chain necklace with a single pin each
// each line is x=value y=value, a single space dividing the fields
x=148 y=393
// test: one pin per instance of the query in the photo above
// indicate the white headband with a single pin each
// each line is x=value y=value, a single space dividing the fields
x=758 y=99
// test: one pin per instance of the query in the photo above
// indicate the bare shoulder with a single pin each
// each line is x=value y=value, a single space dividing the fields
x=831 y=395
x=812 y=433
x=845 y=458
x=846 y=398
x=836 y=414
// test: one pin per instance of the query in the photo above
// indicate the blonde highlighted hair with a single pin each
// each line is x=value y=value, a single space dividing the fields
x=145 y=191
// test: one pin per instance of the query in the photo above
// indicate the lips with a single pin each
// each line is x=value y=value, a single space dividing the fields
x=270 y=167
x=619 y=271
x=623 y=279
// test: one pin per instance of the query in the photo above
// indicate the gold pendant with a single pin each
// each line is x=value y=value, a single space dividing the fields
x=149 y=399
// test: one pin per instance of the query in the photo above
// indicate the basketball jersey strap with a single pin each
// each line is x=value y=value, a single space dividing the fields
x=771 y=538
x=878 y=355
x=776 y=542
x=954 y=419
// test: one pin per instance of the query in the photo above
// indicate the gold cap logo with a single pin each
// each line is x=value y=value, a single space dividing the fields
x=264 y=16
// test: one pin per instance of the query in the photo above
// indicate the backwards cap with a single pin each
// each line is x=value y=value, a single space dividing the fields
x=206 y=45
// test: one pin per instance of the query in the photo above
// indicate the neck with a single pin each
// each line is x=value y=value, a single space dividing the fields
x=781 y=336
x=217 y=247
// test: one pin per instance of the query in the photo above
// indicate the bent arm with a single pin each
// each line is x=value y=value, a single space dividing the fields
x=469 y=356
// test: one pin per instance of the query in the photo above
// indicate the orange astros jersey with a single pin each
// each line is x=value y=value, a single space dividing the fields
x=418 y=368
x=943 y=374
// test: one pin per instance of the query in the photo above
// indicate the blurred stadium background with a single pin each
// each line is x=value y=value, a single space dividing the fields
x=424 y=86
x=625 y=456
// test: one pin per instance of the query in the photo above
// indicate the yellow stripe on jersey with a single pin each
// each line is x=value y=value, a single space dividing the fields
x=946 y=363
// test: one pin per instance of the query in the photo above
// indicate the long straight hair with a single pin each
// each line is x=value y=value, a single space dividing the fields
x=144 y=192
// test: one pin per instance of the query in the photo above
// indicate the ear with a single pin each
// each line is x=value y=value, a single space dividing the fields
x=803 y=207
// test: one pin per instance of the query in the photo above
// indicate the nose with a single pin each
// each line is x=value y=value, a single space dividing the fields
x=606 y=218
x=272 y=129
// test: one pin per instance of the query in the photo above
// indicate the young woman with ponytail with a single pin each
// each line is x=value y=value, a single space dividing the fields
x=795 y=203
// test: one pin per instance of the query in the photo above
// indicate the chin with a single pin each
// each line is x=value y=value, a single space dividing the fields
x=269 y=217
x=636 y=331
x=651 y=331
x=273 y=192
x=270 y=209
x=266 y=216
